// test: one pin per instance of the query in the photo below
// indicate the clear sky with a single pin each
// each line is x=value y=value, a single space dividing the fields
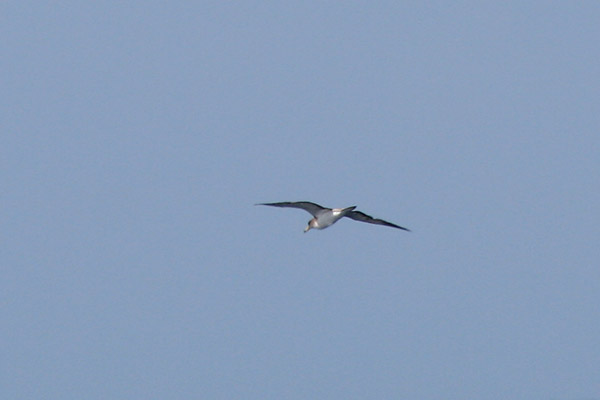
x=136 y=137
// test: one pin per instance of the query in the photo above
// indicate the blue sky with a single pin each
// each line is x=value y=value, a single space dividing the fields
x=137 y=137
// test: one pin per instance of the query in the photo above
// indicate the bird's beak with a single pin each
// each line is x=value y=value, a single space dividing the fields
x=307 y=229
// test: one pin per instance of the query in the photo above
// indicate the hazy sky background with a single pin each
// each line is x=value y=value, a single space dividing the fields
x=136 y=137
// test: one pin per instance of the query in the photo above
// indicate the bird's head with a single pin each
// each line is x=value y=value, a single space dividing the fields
x=311 y=224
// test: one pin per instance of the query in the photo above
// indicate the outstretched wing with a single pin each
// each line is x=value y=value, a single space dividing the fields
x=362 y=217
x=312 y=208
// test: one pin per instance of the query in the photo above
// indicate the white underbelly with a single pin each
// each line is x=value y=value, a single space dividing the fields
x=327 y=220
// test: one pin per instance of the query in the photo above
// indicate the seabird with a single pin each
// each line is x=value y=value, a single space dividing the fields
x=324 y=217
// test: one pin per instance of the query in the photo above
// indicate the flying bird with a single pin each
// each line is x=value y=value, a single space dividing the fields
x=324 y=217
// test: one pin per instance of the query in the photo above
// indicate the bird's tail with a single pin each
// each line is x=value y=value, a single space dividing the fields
x=347 y=210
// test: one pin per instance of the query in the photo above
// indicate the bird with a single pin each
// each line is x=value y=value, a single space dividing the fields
x=324 y=217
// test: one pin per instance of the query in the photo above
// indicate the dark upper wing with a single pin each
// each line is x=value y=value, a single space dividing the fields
x=305 y=205
x=362 y=217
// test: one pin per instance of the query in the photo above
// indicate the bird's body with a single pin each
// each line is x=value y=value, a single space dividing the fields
x=324 y=217
x=328 y=217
